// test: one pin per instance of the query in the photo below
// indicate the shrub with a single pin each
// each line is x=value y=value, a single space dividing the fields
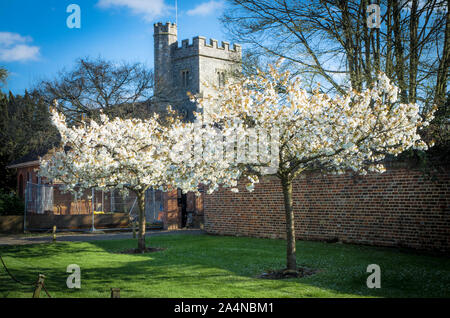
x=10 y=204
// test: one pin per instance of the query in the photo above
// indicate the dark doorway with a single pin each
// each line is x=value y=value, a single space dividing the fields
x=183 y=210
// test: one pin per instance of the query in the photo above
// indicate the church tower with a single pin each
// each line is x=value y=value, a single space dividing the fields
x=187 y=67
x=164 y=37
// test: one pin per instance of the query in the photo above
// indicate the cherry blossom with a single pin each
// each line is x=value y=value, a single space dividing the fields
x=331 y=134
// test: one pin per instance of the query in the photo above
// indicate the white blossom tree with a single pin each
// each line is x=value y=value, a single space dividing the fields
x=134 y=155
x=129 y=155
x=266 y=124
x=313 y=132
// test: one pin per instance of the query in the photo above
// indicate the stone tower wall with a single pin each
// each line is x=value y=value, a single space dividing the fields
x=165 y=37
x=201 y=58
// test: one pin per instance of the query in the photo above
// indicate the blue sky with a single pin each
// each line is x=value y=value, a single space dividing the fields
x=35 y=42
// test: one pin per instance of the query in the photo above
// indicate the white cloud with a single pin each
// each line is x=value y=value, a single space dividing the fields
x=149 y=9
x=8 y=38
x=206 y=8
x=13 y=48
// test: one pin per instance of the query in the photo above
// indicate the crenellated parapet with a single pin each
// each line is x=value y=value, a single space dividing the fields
x=167 y=28
x=200 y=46
x=199 y=41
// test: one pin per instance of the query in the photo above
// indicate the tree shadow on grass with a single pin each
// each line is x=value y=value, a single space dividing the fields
x=137 y=278
x=44 y=250
x=343 y=267
x=209 y=266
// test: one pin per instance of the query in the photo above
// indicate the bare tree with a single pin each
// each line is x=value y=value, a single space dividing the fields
x=118 y=89
x=329 y=41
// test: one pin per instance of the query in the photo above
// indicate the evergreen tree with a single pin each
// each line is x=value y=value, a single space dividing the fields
x=26 y=133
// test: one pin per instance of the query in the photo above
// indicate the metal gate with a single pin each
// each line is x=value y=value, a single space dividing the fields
x=47 y=199
x=153 y=206
x=38 y=198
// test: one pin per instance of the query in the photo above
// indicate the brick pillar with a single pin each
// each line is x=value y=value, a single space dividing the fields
x=172 y=213
x=199 y=216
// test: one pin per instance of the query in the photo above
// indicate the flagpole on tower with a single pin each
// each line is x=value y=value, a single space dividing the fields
x=176 y=12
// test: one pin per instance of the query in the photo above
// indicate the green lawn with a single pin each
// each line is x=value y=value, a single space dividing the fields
x=215 y=266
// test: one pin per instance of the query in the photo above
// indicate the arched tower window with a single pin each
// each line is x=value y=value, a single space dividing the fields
x=221 y=78
x=185 y=78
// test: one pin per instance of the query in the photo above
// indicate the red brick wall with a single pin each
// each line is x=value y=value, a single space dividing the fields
x=25 y=173
x=401 y=207
x=46 y=221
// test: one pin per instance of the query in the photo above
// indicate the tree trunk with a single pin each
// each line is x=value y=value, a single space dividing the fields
x=413 y=51
x=366 y=38
x=290 y=228
x=442 y=78
x=398 y=51
x=377 y=54
x=389 y=68
x=349 y=45
x=141 y=234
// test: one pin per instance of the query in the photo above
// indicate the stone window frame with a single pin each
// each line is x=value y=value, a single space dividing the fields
x=185 y=78
x=221 y=76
